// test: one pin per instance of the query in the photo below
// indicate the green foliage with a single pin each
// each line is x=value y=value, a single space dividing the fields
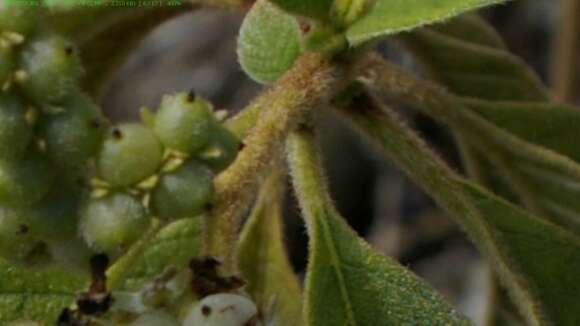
x=519 y=244
x=263 y=260
x=67 y=191
x=393 y=16
x=130 y=153
x=184 y=192
x=35 y=295
x=174 y=245
x=269 y=42
x=344 y=273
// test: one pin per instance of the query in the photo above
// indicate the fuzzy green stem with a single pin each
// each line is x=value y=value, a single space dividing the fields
x=433 y=100
x=312 y=81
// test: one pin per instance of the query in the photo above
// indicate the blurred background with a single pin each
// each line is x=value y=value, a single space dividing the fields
x=197 y=51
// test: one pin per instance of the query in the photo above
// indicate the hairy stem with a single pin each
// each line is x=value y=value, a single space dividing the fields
x=565 y=66
x=312 y=81
x=444 y=107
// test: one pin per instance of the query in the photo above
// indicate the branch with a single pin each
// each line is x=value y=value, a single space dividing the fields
x=565 y=66
x=312 y=82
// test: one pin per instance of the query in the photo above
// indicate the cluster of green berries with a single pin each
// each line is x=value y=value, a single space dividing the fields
x=71 y=185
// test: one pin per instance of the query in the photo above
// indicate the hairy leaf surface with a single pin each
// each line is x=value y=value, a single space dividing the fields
x=174 y=245
x=269 y=42
x=347 y=282
x=263 y=261
x=536 y=260
x=393 y=16
x=36 y=295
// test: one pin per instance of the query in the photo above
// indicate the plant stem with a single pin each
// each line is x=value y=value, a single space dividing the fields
x=433 y=100
x=312 y=81
x=565 y=65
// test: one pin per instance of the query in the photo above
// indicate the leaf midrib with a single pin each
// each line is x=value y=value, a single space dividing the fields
x=335 y=260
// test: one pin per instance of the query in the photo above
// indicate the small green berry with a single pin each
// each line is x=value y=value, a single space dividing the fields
x=73 y=134
x=55 y=217
x=15 y=130
x=52 y=67
x=27 y=181
x=184 y=192
x=17 y=243
x=111 y=224
x=183 y=122
x=222 y=149
x=129 y=154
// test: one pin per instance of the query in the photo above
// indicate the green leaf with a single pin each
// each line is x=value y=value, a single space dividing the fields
x=36 y=295
x=319 y=9
x=263 y=261
x=536 y=260
x=269 y=42
x=457 y=63
x=347 y=282
x=174 y=245
x=554 y=126
x=544 y=180
x=393 y=16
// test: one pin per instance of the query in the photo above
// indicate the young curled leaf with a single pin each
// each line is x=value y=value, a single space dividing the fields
x=269 y=42
x=263 y=260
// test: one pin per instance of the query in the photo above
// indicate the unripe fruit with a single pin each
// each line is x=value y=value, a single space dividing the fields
x=183 y=122
x=15 y=130
x=223 y=310
x=184 y=192
x=55 y=217
x=155 y=318
x=6 y=64
x=17 y=18
x=52 y=67
x=111 y=224
x=25 y=182
x=129 y=154
x=16 y=241
x=73 y=135
x=221 y=150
